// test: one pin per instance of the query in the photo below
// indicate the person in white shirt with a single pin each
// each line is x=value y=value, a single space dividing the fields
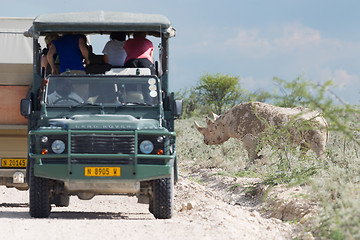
x=64 y=94
x=114 y=53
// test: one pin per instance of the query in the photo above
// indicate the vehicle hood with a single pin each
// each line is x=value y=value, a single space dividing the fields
x=104 y=122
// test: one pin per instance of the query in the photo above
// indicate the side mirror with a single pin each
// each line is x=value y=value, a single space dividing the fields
x=178 y=107
x=26 y=107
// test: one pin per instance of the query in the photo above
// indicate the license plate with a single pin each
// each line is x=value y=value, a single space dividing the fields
x=12 y=162
x=102 y=171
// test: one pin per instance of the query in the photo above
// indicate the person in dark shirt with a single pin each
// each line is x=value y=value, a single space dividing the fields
x=71 y=50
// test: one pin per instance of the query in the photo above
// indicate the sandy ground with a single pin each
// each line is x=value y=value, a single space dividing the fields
x=201 y=212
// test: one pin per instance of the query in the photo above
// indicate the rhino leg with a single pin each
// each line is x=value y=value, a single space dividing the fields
x=251 y=145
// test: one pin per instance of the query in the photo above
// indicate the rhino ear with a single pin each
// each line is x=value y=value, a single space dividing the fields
x=215 y=116
x=209 y=120
x=200 y=129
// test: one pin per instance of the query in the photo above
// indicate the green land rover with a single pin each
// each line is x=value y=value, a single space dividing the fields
x=114 y=133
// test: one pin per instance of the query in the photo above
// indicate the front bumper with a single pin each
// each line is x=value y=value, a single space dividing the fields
x=69 y=167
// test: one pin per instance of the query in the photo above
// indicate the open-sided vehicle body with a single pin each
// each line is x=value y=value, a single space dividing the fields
x=102 y=133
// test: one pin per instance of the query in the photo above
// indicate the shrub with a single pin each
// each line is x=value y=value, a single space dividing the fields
x=218 y=90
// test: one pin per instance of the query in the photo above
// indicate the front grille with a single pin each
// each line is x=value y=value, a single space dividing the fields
x=102 y=144
x=110 y=161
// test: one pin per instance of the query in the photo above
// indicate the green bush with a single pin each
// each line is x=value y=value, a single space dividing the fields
x=218 y=90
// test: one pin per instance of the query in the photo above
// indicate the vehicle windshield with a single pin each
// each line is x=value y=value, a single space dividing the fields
x=101 y=91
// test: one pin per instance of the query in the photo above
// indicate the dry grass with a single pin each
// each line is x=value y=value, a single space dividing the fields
x=337 y=186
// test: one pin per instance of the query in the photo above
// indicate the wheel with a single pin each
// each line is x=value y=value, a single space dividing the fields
x=66 y=100
x=162 y=203
x=61 y=200
x=39 y=196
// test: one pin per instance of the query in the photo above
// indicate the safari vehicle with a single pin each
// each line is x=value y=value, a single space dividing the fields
x=109 y=132
x=15 y=78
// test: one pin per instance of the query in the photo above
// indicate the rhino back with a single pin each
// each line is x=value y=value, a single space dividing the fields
x=254 y=117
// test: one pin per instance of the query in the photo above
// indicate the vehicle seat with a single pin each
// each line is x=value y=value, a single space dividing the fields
x=97 y=68
x=97 y=64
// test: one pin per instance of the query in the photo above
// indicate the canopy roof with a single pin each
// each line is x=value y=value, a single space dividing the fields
x=100 y=22
x=16 y=52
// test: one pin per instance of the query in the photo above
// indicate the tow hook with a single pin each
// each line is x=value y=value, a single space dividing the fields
x=18 y=177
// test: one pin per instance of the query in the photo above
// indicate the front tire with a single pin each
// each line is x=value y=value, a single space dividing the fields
x=162 y=203
x=39 y=196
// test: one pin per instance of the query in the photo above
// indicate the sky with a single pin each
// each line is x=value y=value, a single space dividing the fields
x=255 y=40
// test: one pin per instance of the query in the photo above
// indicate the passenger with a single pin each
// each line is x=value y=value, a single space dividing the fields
x=114 y=53
x=45 y=67
x=71 y=50
x=88 y=46
x=139 y=52
x=92 y=56
x=64 y=94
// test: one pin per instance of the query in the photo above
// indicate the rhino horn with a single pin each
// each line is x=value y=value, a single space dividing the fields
x=200 y=129
x=215 y=116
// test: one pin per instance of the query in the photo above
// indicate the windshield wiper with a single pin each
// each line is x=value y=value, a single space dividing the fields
x=139 y=103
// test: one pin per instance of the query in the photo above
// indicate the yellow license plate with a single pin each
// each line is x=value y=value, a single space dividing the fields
x=13 y=162
x=102 y=171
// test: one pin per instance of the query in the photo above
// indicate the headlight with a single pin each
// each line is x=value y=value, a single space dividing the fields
x=146 y=146
x=58 y=146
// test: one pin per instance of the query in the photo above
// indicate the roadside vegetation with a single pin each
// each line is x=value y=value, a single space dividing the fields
x=334 y=181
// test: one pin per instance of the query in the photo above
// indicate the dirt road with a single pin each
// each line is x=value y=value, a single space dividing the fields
x=200 y=213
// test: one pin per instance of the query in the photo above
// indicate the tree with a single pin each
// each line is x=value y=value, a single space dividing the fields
x=219 y=90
